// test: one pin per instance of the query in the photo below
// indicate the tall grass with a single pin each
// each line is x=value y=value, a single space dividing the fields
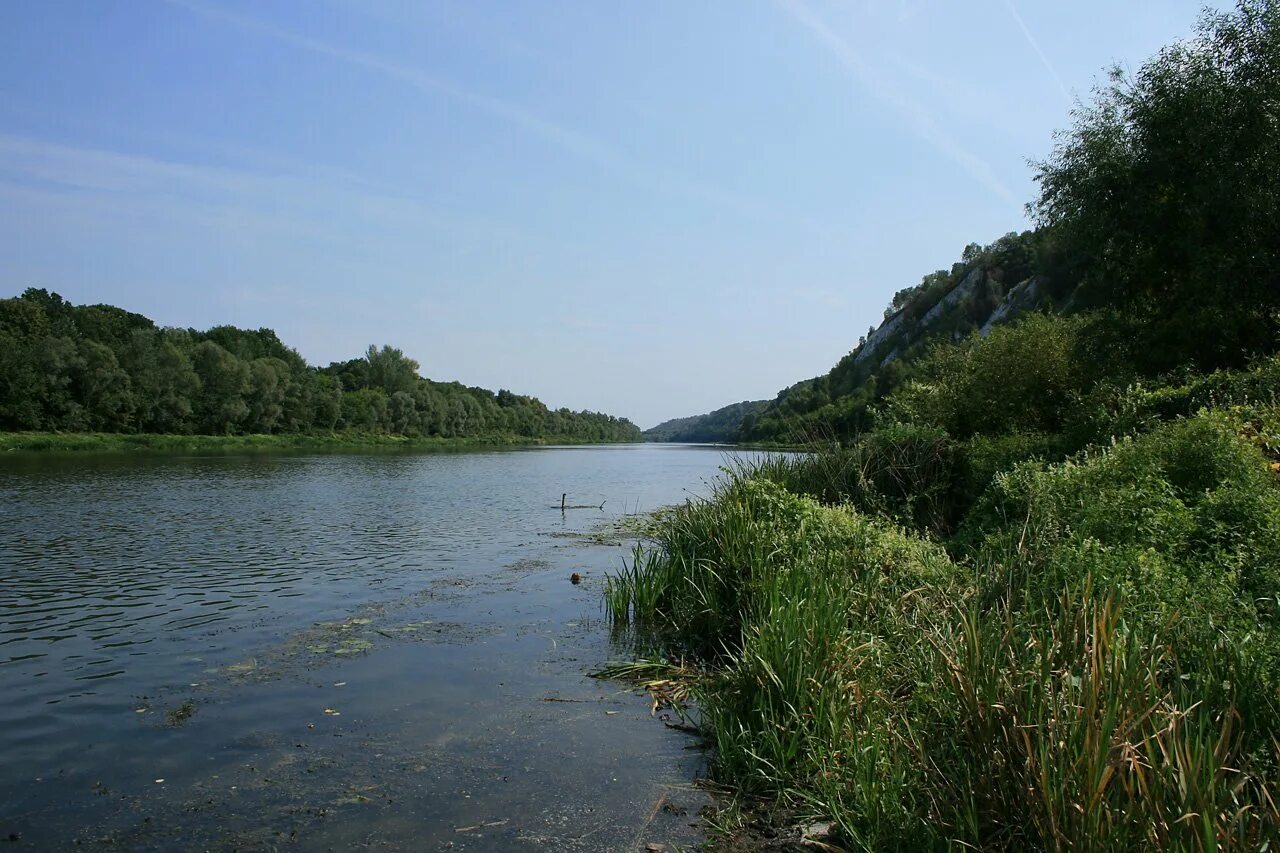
x=1096 y=669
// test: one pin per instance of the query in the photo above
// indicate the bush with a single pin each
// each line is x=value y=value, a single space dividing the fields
x=1021 y=378
x=1109 y=411
x=1182 y=524
x=815 y=615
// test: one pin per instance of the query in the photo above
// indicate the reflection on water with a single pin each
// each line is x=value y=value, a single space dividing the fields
x=134 y=588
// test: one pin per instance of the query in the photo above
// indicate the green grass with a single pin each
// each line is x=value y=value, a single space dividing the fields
x=1090 y=663
x=44 y=442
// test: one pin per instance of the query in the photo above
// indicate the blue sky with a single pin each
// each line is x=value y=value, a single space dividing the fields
x=651 y=209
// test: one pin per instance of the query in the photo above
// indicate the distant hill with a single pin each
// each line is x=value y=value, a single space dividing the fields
x=990 y=285
x=722 y=425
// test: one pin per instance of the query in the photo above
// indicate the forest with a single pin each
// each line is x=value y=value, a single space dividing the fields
x=1024 y=593
x=102 y=369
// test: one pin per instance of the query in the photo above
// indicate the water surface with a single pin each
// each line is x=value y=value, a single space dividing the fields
x=331 y=651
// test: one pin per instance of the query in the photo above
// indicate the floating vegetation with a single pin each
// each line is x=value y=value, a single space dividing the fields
x=178 y=717
x=243 y=667
x=529 y=565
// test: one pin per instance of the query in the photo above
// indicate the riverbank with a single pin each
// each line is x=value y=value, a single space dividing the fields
x=1087 y=660
x=99 y=442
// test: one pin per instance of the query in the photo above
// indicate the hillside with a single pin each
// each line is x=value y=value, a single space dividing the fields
x=98 y=368
x=991 y=285
x=722 y=425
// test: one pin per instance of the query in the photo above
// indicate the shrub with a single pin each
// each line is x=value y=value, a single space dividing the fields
x=1021 y=378
x=1183 y=524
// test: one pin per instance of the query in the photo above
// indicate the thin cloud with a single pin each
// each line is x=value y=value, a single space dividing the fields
x=921 y=121
x=579 y=144
x=572 y=141
x=1035 y=45
x=102 y=184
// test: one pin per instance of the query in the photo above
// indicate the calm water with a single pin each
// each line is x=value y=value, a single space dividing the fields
x=329 y=651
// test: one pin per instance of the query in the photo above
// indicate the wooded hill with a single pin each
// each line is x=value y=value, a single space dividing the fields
x=719 y=426
x=1157 y=235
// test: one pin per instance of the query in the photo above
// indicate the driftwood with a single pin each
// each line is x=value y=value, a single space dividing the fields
x=563 y=505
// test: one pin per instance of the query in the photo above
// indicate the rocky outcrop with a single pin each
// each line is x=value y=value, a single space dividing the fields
x=887 y=328
x=893 y=324
x=1024 y=296
x=953 y=298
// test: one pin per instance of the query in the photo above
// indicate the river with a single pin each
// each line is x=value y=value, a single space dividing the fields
x=331 y=651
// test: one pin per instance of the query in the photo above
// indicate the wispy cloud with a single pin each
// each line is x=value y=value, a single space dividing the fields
x=577 y=143
x=921 y=121
x=1035 y=45
x=96 y=185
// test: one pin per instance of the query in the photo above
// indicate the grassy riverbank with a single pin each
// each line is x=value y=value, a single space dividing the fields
x=99 y=442
x=1089 y=661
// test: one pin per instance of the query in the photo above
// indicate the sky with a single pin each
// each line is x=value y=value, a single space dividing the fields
x=651 y=209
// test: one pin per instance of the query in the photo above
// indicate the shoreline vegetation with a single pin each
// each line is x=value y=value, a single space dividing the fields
x=1089 y=660
x=99 y=442
x=1025 y=592
x=34 y=442
x=40 y=442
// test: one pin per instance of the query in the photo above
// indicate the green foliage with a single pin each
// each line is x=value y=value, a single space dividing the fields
x=1065 y=728
x=1097 y=672
x=1021 y=378
x=1168 y=187
x=96 y=368
x=1109 y=410
x=722 y=425
x=901 y=471
x=345 y=441
x=1185 y=520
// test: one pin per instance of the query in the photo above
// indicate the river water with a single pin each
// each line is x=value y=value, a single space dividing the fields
x=330 y=651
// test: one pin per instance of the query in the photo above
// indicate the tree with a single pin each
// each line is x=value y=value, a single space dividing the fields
x=224 y=379
x=1168 y=187
x=390 y=370
x=265 y=394
x=166 y=387
x=103 y=388
x=22 y=326
x=58 y=362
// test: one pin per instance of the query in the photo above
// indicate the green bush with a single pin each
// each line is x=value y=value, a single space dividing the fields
x=901 y=471
x=1183 y=524
x=1021 y=378
x=1109 y=410
x=815 y=615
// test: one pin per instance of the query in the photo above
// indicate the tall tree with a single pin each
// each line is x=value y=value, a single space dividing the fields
x=1168 y=185
x=224 y=379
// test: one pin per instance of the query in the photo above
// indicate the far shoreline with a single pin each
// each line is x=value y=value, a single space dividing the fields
x=35 y=443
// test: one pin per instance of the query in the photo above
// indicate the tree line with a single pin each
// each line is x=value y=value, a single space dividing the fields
x=99 y=368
